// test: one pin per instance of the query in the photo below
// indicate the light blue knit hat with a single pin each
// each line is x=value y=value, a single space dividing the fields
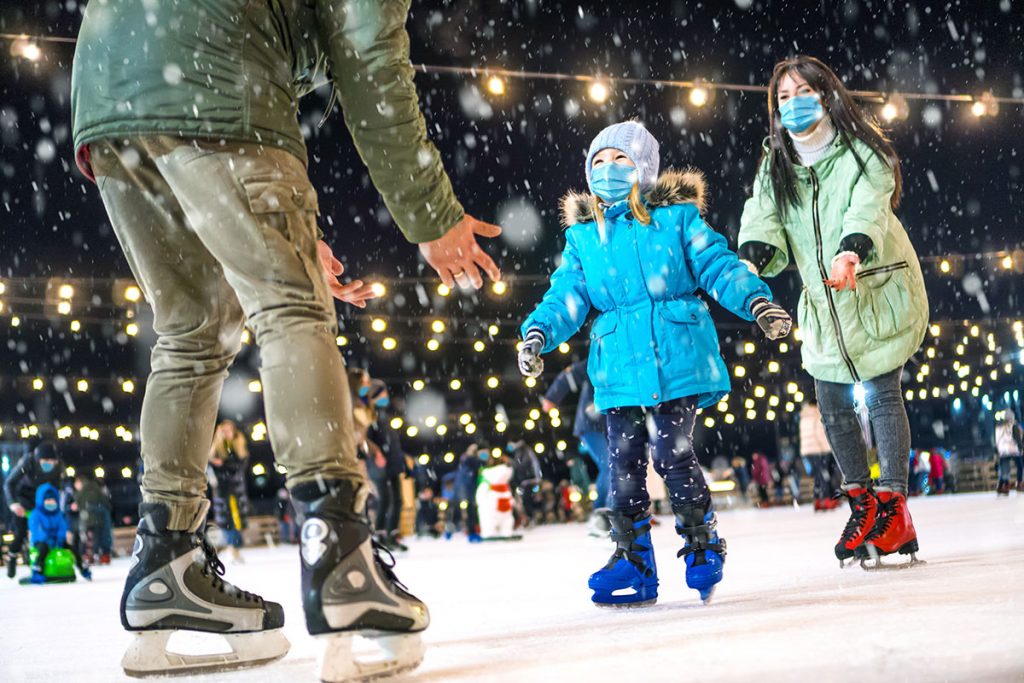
x=633 y=140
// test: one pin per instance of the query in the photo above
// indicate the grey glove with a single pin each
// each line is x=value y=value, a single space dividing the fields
x=771 y=318
x=530 y=363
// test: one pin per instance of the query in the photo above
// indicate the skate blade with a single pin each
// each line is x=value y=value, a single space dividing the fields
x=148 y=654
x=710 y=595
x=338 y=663
x=878 y=565
x=626 y=605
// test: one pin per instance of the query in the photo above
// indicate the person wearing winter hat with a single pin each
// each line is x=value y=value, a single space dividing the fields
x=824 y=197
x=636 y=252
x=42 y=465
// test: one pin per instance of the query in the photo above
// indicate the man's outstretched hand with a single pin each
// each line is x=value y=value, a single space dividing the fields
x=457 y=257
x=356 y=292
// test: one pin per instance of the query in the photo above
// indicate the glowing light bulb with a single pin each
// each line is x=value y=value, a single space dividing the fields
x=598 y=91
x=495 y=86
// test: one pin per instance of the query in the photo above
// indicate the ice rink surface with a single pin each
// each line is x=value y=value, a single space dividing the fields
x=521 y=611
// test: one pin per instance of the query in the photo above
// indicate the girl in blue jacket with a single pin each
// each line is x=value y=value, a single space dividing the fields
x=636 y=251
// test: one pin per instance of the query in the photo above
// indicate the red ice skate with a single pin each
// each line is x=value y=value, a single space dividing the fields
x=893 y=532
x=863 y=511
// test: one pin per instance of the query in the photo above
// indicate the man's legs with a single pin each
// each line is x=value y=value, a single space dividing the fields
x=254 y=210
x=196 y=317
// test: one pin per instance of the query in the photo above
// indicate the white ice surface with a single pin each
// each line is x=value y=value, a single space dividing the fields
x=521 y=611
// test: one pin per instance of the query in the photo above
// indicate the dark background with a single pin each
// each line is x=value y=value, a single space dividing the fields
x=962 y=179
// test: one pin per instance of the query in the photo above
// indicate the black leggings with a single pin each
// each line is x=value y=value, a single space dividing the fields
x=389 y=503
x=667 y=429
x=20 y=526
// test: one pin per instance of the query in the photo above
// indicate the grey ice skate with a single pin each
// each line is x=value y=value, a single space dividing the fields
x=349 y=588
x=174 y=584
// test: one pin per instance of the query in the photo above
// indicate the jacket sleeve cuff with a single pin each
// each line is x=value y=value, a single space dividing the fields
x=857 y=243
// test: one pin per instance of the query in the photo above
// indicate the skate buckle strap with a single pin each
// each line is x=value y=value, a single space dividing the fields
x=628 y=549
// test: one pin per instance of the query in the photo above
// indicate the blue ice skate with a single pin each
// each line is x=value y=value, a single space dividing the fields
x=704 y=552
x=630 y=579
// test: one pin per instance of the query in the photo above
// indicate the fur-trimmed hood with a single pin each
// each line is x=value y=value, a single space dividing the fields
x=672 y=187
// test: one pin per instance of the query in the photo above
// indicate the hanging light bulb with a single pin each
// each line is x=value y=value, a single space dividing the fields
x=495 y=85
x=699 y=96
x=598 y=91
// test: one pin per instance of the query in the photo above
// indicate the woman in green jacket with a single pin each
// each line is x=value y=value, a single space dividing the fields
x=823 y=197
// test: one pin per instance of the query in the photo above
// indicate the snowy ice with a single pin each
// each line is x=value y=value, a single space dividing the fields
x=521 y=611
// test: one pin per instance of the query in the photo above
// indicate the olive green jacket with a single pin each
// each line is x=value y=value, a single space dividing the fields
x=848 y=336
x=235 y=69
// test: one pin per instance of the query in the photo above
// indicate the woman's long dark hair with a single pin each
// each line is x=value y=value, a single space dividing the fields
x=849 y=120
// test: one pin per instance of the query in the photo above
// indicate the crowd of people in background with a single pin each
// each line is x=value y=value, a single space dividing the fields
x=546 y=487
x=59 y=521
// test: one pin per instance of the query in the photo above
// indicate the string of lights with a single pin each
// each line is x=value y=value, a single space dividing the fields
x=600 y=87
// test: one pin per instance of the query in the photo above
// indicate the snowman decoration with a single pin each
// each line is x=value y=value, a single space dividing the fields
x=494 y=503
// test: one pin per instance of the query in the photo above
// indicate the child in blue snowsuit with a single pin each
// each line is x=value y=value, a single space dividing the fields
x=48 y=529
x=636 y=251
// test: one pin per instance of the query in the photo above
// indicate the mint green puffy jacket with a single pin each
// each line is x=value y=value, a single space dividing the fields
x=848 y=336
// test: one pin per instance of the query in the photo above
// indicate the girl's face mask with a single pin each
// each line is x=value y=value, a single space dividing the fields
x=50 y=504
x=801 y=112
x=46 y=466
x=612 y=182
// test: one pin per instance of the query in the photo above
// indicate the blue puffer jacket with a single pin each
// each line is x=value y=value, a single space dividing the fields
x=653 y=340
x=45 y=526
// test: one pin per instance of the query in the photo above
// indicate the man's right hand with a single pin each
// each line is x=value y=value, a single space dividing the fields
x=457 y=257
x=17 y=509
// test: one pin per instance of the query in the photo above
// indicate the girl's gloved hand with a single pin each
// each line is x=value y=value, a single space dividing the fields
x=844 y=271
x=530 y=362
x=771 y=318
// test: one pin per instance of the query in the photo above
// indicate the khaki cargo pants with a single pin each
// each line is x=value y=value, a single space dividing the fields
x=219 y=236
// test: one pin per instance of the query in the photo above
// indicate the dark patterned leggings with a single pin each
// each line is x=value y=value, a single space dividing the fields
x=667 y=429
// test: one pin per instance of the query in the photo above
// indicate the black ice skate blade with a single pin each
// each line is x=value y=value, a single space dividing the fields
x=515 y=537
x=625 y=605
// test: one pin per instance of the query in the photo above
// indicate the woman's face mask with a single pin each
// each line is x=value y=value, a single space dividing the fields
x=46 y=466
x=801 y=112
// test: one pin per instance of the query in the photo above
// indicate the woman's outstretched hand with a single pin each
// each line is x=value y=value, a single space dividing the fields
x=844 y=272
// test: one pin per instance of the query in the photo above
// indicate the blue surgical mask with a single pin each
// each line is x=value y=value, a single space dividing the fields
x=50 y=505
x=612 y=182
x=364 y=391
x=47 y=467
x=382 y=402
x=801 y=112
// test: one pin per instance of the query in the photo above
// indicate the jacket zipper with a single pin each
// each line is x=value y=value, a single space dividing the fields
x=892 y=267
x=643 y=277
x=824 y=276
